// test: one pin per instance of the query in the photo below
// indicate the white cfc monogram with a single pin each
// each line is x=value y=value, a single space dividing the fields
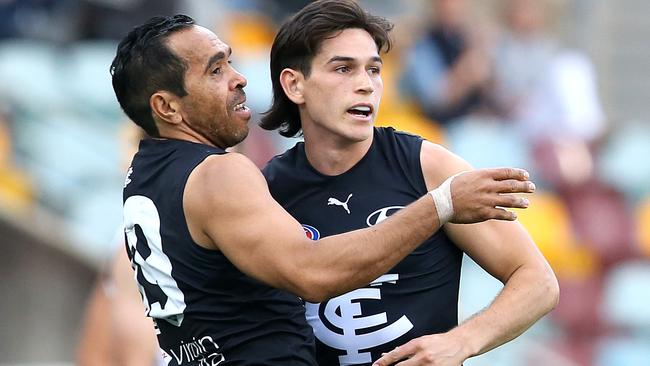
x=344 y=313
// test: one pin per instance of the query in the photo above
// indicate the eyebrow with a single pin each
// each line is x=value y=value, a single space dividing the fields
x=351 y=59
x=216 y=58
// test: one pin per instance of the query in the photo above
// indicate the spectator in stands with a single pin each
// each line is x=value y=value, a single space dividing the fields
x=447 y=69
x=546 y=91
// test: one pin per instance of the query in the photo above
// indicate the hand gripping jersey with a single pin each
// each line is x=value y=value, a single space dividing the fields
x=418 y=296
x=207 y=312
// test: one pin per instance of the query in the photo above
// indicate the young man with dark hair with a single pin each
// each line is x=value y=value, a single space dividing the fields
x=219 y=263
x=347 y=175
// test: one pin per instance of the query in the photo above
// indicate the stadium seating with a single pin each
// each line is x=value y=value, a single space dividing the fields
x=578 y=311
x=489 y=143
x=29 y=77
x=88 y=79
x=627 y=297
x=623 y=160
x=623 y=351
x=602 y=220
x=16 y=190
x=548 y=222
x=642 y=221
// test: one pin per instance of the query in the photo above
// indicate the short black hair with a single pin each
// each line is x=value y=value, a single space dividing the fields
x=144 y=65
x=299 y=40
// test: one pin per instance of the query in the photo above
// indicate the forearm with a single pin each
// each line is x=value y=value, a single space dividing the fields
x=528 y=294
x=341 y=263
x=278 y=253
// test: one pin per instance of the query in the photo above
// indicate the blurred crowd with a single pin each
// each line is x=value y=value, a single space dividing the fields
x=495 y=81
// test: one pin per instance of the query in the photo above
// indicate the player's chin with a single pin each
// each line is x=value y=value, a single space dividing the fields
x=240 y=134
x=238 y=124
x=362 y=130
x=236 y=129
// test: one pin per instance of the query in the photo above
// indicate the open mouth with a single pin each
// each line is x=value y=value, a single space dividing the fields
x=361 y=111
x=240 y=107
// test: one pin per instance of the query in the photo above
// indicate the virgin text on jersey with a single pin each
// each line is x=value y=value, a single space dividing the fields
x=203 y=350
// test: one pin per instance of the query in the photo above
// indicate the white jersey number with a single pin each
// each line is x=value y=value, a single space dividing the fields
x=153 y=270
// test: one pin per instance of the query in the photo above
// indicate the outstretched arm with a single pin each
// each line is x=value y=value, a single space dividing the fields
x=229 y=208
x=507 y=252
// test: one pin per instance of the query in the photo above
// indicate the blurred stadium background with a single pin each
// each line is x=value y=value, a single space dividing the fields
x=581 y=125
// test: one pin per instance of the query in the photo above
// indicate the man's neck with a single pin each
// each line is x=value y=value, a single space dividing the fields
x=330 y=155
x=183 y=132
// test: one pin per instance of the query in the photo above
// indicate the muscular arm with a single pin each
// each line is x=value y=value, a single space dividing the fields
x=506 y=251
x=237 y=215
x=229 y=208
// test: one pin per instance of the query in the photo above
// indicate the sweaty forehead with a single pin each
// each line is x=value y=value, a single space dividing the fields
x=196 y=44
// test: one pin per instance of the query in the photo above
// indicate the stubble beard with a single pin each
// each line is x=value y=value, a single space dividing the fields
x=226 y=136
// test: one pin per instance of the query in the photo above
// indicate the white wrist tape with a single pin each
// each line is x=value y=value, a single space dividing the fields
x=442 y=200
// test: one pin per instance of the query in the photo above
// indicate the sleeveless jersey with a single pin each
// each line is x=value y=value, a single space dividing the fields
x=207 y=312
x=418 y=296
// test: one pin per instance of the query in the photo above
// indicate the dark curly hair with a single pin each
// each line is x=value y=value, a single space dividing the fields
x=299 y=40
x=144 y=65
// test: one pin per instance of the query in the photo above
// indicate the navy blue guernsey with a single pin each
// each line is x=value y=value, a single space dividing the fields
x=418 y=296
x=207 y=312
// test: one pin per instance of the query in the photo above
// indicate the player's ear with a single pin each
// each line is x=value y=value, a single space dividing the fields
x=292 y=84
x=166 y=106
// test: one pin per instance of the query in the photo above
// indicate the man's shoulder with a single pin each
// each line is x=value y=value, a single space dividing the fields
x=393 y=137
x=221 y=166
x=394 y=133
x=220 y=180
x=283 y=161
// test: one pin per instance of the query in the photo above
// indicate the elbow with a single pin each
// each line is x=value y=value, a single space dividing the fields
x=551 y=291
x=556 y=294
x=312 y=286
x=318 y=290
x=316 y=280
x=315 y=296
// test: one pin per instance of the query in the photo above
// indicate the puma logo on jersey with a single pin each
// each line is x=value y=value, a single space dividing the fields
x=335 y=201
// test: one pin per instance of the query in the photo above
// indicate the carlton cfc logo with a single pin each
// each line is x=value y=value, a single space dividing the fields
x=311 y=232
